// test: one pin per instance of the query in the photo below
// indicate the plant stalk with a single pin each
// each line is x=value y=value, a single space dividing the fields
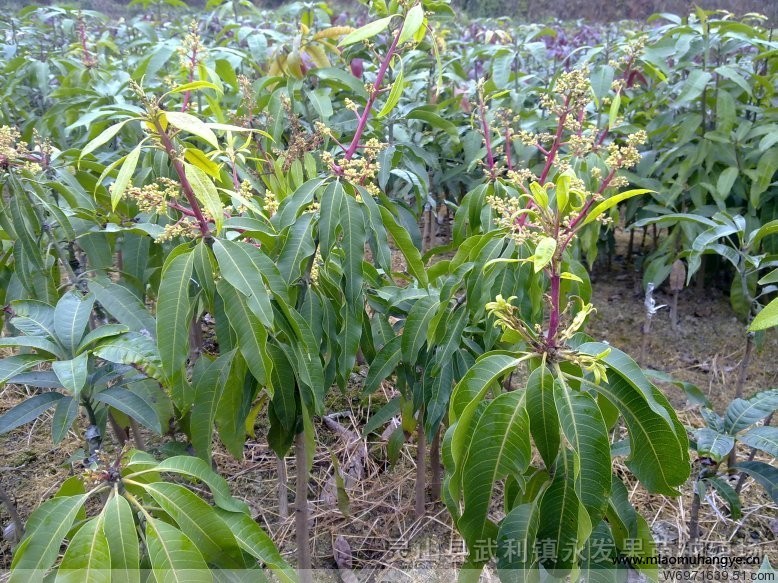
x=421 y=468
x=302 y=529
x=437 y=468
x=283 y=500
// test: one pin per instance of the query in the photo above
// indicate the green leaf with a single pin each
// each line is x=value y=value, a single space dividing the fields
x=72 y=373
x=762 y=438
x=102 y=138
x=394 y=95
x=766 y=318
x=173 y=556
x=193 y=125
x=46 y=528
x=763 y=473
x=693 y=86
x=585 y=430
x=101 y=333
x=543 y=417
x=196 y=468
x=726 y=180
x=34 y=318
x=207 y=392
x=613 y=111
x=130 y=404
x=404 y=243
x=413 y=22
x=417 y=323
x=383 y=364
x=544 y=252
x=516 y=541
x=64 y=415
x=728 y=493
x=742 y=413
x=255 y=542
x=297 y=246
x=27 y=410
x=609 y=203
x=252 y=335
x=365 y=32
x=197 y=519
x=36 y=342
x=124 y=176
x=353 y=242
x=134 y=349
x=500 y=446
x=88 y=557
x=174 y=319
x=206 y=193
x=196 y=85
x=119 y=528
x=122 y=304
x=239 y=269
x=712 y=444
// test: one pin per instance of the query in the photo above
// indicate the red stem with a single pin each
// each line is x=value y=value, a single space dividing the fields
x=186 y=186
x=487 y=135
x=362 y=122
x=553 y=322
x=556 y=145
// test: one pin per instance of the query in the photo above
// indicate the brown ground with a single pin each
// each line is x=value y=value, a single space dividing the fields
x=379 y=526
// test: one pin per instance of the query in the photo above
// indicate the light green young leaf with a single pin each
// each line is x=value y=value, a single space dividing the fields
x=102 y=138
x=368 y=31
x=124 y=176
x=609 y=203
x=206 y=193
x=193 y=125
x=413 y=22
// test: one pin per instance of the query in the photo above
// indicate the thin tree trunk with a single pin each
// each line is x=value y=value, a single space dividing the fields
x=118 y=430
x=421 y=468
x=301 y=511
x=283 y=500
x=15 y=518
x=694 y=518
x=674 y=313
x=437 y=477
x=136 y=436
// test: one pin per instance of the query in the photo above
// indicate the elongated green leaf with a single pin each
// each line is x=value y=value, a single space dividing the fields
x=654 y=442
x=365 y=32
x=563 y=519
x=88 y=558
x=130 y=404
x=123 y=305
x=197 y=519
x=71 y=317
x=742 y=413
x=135 y=349
x=34 y=318
x=64 y=415
x=193 y=125
x=413 y=22
x=238 y=268
x=765 y=474
x=102 y=138
x=516 y=542
x=173 y=556
x=101 y=333
x=727 y=492
x=585 y=430
x=27 y=410
x=119 y=528
x=713 y=444
x=599 y=564
x=609 y=203
x=46 y=528
x=124 y=176
x=416 y=325
x=174 y=318
x=354 y=238
x=394 y=95
x=544 y=252
x=763 y=438
x=252 y=335
x=72 y=373
x=766 y=318
x=208 y=390
x=255 y=542
x=196 y=468
x=206 y=193
x=383 y=365
x=500 y=446
x=404 y=243
x=36 y=342
x=543 y=416
x=297 y=246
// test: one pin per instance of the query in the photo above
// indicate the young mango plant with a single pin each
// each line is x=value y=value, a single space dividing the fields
x=122 y=520
x=716 y=442
x=107 y=370
x=576 y=389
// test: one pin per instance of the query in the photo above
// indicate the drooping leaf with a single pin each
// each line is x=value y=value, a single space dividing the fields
x=88 y=557
x=239 y=269
x=72 y=373
x=27 y=410
x=71 y=316
x=543 y=416
x=765 y=474
x=130 y=404
x=122 y=304
x=763 y=438
x=173 y=556
x=119 y=528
